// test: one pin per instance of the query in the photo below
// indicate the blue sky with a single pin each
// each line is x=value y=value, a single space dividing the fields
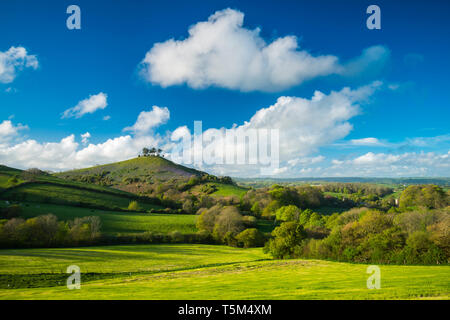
x=399 y=129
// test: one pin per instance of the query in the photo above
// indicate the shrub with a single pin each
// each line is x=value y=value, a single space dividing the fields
x=207 y=218
x=255 y=209
x=229 y=220
x=134 y=206
x=287 y=213
x=250 y=238
x=270 y=209
x=287 y=240
x=176 y=236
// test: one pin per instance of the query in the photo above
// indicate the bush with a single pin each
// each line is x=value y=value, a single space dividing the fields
x=287 y=213
x=176 y=237
x=255 y=209
x=270 y=209
x=228 y=221
x=134 y=206
x=287 y=240
x=250 y=238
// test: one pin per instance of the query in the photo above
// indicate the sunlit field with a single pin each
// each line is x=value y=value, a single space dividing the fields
x=204 y=272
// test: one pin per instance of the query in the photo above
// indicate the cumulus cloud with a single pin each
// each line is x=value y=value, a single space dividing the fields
x=90 y=105
x=14 y=60
x=304 y=126
x=370 y=164
x=148 y=120
x=221 y=52
x=67 y=154
x=8 y=130
x=393 y=165
x=85 y=137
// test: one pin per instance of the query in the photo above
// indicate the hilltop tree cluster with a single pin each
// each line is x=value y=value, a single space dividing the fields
x=147 y=152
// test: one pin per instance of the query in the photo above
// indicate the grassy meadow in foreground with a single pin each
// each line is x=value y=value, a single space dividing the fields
x=207 y=272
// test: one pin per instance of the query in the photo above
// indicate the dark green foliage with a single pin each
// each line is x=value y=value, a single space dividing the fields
x=12 y=211
x=286 y=241
x=224 y=223
x=250 y=238
x=47 y=231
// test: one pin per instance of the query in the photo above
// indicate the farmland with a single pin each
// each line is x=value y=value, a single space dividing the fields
x=210 y=272
x=115 y=222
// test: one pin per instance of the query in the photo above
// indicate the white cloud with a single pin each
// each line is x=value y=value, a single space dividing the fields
x=85 y=137
x=366 y=142
x=221 y=52
x=8 y=130
x=307 y=124
x=428 y=141
x=67 y=154
x=90 y=105
x=393 y=165
x=106 y=118
x=306 y=161
x=14 y=60
x=147 y=120
x=304 y=125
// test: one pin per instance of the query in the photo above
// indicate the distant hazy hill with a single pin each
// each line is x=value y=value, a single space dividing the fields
x=262 y=182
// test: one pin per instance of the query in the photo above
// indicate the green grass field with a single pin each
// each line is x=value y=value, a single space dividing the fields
x=225 y=190
x=204 y=272
x=114 y=222
x=49 y=189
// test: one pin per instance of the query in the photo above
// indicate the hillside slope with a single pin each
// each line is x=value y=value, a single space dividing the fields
x=39 y=187
x=141 y=169
x=152 y=175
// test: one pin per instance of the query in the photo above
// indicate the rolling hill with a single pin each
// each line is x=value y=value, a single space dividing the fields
x=153 y=175
x=39 y=187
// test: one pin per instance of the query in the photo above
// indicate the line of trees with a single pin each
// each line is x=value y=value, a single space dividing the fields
x=47 y=231
x=226 y=225
x=358 y=188
x=365 y=236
